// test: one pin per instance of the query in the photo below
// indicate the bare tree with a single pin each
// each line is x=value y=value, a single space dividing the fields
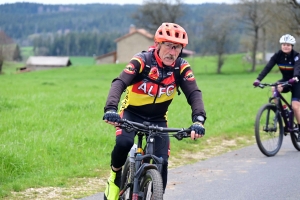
x=255 y=15
x=295 y=12
x=154 y=12
x=4 y=40
x=288 y=15
x=215 y=33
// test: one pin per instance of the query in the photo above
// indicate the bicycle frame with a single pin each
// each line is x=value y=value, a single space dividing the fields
x=288 y=122
x=144 y=162
x=275 y=123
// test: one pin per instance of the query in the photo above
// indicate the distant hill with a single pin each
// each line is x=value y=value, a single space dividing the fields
x=25 y=21
x=19 y=20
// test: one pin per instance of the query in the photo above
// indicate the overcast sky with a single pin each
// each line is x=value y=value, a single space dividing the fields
x=109 y=1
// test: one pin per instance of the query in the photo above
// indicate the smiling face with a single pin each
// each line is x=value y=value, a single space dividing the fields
x=286 y=48
x=169 y=52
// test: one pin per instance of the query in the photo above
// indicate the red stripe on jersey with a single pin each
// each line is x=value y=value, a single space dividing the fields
x=118 y=132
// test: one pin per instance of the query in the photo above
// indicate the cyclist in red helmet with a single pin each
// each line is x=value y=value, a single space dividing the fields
x=148 y=98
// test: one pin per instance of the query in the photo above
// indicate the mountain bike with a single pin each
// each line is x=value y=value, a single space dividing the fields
x=141 y=175
x=273 y=120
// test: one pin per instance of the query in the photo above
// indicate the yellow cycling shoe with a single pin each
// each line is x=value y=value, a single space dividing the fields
x=113 y=186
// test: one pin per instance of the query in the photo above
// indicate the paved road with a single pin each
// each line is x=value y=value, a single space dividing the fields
x=239 y=175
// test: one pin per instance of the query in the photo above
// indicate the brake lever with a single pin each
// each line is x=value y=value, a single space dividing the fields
x=178 y=137
x=181 y=134
x=261 y=86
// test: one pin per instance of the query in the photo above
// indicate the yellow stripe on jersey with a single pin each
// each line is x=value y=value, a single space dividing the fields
x=141 y=63
x=183 y=67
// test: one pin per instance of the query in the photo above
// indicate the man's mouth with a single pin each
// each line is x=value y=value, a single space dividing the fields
x=169 y=58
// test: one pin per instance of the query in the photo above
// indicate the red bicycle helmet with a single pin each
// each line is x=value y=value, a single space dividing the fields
x=171 y=32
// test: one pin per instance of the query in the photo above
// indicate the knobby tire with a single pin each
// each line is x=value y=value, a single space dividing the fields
x=152 y=185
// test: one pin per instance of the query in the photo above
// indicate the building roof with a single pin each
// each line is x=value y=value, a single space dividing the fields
x=133 y=31
x=113 y=53
x=48 y=61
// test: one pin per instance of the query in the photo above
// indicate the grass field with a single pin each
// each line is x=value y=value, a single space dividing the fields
x=52 y=129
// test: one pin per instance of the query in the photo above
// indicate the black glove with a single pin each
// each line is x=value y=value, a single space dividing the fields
x=198 y=128
x=111 y=116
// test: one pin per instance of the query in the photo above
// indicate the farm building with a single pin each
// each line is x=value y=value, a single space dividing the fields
x=135 y=41
x=107 y=58
x=47 y=62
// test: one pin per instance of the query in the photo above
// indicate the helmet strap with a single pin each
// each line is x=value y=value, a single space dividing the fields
x=180 y=53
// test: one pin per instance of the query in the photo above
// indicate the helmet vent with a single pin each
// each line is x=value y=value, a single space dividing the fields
x=168 y=33
x=177 y=35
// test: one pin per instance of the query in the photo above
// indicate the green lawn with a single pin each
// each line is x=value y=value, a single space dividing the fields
x=52 y=129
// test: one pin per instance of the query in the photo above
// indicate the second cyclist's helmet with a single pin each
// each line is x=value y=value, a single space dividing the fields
x=171 y=32
x=287 y=38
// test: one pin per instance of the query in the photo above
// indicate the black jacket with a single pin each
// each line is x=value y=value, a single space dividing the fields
x=289 y=65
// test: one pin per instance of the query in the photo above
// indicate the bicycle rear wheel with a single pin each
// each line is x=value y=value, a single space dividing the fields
x=268 y=130
x=294 y=137
x=127 y=178
x=151 y=185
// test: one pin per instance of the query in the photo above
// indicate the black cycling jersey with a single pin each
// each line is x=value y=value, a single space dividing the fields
x=150 y=100
x=289 y=65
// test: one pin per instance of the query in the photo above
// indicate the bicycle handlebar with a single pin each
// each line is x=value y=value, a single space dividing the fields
x=146 y=127
x=262 y=85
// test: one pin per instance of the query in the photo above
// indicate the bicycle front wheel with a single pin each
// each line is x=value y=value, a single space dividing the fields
x=151 y=185
x=268 y=130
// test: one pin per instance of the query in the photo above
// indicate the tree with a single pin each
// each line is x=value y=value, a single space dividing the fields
x=17 y=54
x=294 y=8
x=154 y=12
x=255 y=15
x=290 y=17
x=4 y=40
x=215 y=34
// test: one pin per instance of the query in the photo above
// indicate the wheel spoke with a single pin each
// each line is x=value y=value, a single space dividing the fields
x=148 y=190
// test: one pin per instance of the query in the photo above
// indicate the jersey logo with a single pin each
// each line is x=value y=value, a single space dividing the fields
x=154 y=74
x=153 y=89
x=129 y=69
x=189 y=76
x=296 y=58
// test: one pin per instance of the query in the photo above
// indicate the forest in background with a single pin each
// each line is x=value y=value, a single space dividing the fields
x=249 y=26
x=92 y=28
